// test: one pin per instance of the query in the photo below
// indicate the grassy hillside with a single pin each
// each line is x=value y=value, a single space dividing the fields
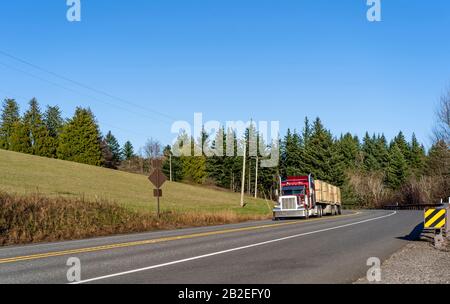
x=25 y=174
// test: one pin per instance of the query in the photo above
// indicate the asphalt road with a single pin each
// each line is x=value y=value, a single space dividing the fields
x=327 y=250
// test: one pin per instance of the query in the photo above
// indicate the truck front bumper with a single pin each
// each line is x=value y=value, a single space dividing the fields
x=278 y=213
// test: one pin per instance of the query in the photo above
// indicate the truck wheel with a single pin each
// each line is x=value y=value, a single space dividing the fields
x=320 y=211
x=306 y=214
x=340 y=210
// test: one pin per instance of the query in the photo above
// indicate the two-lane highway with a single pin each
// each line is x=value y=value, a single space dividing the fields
x=326 y=250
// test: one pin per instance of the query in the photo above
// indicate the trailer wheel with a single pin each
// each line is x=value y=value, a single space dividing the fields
x=340 y=210
x=320 y=211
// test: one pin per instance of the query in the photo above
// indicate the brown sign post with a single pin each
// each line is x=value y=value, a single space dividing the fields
x=157 y=178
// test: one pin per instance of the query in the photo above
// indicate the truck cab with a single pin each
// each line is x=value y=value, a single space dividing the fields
x=303 y=197
x=296 y=197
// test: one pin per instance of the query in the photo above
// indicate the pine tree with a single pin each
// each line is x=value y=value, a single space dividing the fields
x=306 y=132
x=438 y=162
x=291 y=155
x=41 y=142
x=53 y=121
x=114 y=147
x=370 y=162
x=194 y=166
x=397 y=170
x=80 y=139
x=402 y=144
x=9 y=117
x=348 y=147
x=177 y=167
x=128 y=151
x=108 y=160
x=380 y=151
x=19 y=140
x=215 y=165
x=319 y=153
x=417 y=156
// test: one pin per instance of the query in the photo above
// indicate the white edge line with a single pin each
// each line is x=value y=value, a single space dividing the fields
x=229 y=250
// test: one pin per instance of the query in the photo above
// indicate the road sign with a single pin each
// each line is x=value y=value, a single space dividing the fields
x=435 y=218
x=157 y=193
x=157 y=178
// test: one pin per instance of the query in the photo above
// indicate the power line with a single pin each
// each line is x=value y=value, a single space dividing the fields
x=76 y=92
x=84 y=85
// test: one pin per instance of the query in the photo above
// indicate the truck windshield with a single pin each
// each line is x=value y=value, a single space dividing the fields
x=298 y=190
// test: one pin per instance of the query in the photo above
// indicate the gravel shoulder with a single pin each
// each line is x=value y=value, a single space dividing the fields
x=417 y=263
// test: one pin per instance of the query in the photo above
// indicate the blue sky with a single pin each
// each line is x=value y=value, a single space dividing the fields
x=231 y=60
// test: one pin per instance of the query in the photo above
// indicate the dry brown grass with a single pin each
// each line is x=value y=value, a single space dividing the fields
x=36 y=218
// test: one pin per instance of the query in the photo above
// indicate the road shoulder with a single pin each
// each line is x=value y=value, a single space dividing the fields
x=419 y=262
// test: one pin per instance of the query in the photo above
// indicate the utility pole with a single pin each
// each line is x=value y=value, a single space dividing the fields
x=249 y=185
x=171 y=179
x=243 y=174
x=256 y=176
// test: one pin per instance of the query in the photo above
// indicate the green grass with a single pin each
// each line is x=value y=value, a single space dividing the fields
x=27 y=174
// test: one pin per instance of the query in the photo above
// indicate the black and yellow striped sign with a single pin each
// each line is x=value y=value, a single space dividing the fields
x=435 y=218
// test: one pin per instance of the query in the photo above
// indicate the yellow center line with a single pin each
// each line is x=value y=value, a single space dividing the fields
x=154 y=241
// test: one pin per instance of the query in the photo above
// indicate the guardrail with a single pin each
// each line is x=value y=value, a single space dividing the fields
x=412 y=207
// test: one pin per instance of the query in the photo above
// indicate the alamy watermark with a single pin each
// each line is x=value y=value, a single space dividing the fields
x=74 y=272
x=374 y=11
x=374 y=272
x=228 y=139
x=74 y=10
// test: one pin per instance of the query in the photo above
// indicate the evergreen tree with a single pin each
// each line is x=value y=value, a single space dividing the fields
x=438 y=162
x=348 y=147
x=370 y=162
x=319 y=153
x=108 y=160
x=19 y=140
x=416 y=156
x=402 y=144
x=80 y=139
x=53 y=121
x=215 y=165
x=397 y=170
x=114 y=148
x=41 y=142
x=381 y=151
x=177 y=167
x=128 y=151
x=306 y=132
x=291 y=155
x=194 y=166
x=9 y=117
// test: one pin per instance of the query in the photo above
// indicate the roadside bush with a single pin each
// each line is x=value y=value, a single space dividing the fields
x=368 y=189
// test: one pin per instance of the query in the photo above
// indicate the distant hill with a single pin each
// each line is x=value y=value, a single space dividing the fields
x=24 y=174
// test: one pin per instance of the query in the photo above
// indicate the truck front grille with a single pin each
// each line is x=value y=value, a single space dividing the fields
x=289 y=203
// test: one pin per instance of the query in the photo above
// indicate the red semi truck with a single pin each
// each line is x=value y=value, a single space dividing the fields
x=303 y=196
